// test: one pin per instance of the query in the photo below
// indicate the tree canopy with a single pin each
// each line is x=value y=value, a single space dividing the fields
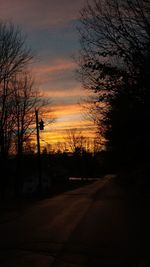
x=114 y=62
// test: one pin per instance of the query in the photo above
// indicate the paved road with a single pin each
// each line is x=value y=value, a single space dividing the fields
x=99 y=225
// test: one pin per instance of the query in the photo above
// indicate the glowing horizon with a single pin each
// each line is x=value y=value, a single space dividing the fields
x=51 y=33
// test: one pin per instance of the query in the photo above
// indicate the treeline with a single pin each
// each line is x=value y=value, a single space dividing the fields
x=114 y=64
x=56 y=169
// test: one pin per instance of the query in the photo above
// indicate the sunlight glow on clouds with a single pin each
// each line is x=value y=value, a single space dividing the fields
x=54 y=66
x=61 y=133
x=51 y=32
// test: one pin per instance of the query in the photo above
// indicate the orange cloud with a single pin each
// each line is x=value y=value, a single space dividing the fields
x=50 y=26
x=59 y=133
x=53 y=73
x=68 y=117
x=62 y=110
x=68 y=113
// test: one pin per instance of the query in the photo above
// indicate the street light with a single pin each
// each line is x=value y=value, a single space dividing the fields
x=41 y=125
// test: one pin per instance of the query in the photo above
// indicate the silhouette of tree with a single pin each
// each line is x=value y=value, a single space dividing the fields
x=25 y=98
x=19 y=98
x=114 y=63
x=75 y=140
x=14 y=57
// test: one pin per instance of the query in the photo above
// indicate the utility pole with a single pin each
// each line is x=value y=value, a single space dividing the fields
x=38 y=152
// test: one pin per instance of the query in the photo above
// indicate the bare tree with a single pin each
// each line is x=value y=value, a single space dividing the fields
x=19 y=97
x=5 y=118
x=59 y=147
x=25 y=99
x=14 y=56
x=114 y=63
x=115 y=38
x=75 y=140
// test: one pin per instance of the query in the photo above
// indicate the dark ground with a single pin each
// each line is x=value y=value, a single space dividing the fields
x=102 y=224
x=9 y=207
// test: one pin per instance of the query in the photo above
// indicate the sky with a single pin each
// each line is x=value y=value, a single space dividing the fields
x=50 y=27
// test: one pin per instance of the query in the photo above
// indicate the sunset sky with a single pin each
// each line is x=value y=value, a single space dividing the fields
x=51 y=32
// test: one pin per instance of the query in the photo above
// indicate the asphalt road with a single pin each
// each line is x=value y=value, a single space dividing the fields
x=100 y=225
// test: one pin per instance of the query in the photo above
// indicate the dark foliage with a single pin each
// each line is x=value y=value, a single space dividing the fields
x=114 y=63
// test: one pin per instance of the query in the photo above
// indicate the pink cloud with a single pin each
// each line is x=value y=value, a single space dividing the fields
x=37 y=13
x=54 y=66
